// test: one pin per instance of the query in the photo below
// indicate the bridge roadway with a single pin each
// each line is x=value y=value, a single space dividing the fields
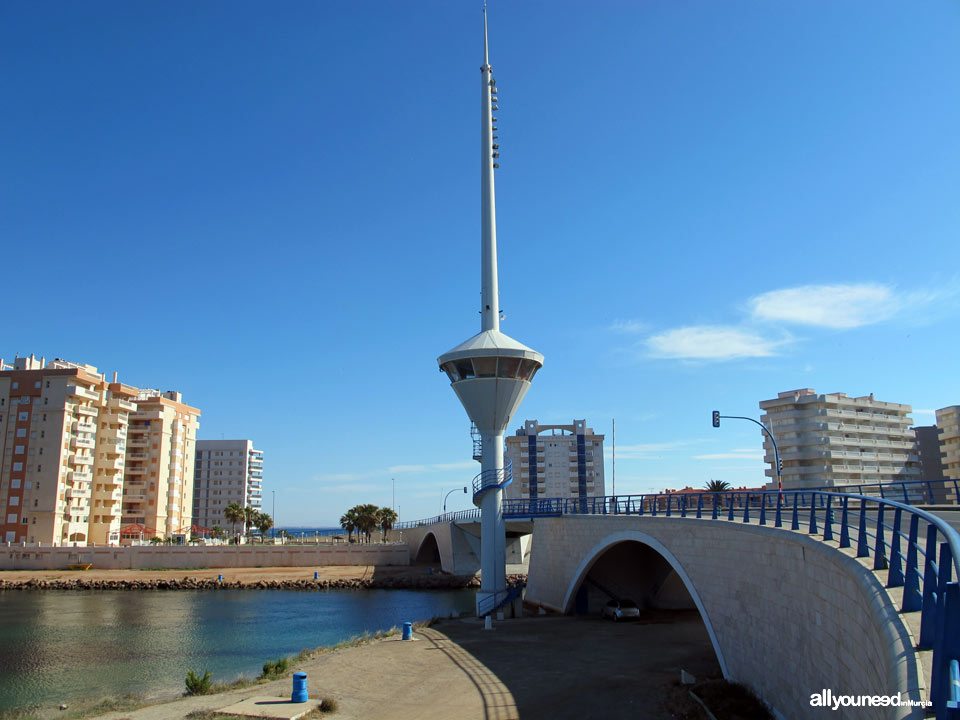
x=788 y=613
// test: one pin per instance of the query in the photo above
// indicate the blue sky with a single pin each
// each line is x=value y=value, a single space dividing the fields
x=274 y=208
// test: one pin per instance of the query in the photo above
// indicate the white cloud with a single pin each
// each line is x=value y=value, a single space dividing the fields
x=646 y=451
x=924 y=412
x=710 y=342
x=732 y=455
x=629 y=327
x=830 y=306
x=386 y=473
x=406 y=468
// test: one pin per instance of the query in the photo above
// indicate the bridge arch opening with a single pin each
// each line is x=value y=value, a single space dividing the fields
x=429 y=551
x=634 y=566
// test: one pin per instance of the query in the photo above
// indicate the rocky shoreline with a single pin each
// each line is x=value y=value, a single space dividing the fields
x=402 y=582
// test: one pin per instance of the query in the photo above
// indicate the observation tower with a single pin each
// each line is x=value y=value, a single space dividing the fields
x=490 y=372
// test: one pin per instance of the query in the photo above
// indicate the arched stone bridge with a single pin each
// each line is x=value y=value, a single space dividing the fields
x=790 y=610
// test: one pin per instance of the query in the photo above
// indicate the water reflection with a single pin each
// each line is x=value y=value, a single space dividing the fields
x=62 y=646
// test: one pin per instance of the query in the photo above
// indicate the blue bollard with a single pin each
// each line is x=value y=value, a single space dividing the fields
x=316 y=575
x=299 y=688
x=407 y=631
x=219 y=578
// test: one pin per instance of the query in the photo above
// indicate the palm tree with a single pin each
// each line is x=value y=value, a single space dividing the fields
x=367 y=519
x=234 y=514
x=249 y=519
x=348 y=521
x=217 y=532
x=386 y=517
x=717 y=486
x=263 y=523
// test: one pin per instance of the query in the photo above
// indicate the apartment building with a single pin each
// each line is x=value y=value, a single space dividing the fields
x=161 y=450
x=227 y=471
x=948 y=423
x=555 y=461
x=64 y=454
x=833 y=440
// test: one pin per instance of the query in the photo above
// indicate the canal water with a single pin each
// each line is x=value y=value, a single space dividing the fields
x=58 y=647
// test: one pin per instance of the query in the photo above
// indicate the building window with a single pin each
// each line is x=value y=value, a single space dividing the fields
x=15 y=385
x=18 y=450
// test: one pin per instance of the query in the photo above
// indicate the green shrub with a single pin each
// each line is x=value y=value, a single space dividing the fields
x=275 y=669
x=197 y=685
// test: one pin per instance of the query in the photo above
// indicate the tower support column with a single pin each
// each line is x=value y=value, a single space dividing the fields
x=493 y=536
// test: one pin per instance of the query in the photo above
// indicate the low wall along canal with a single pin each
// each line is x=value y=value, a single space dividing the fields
x=32 y=557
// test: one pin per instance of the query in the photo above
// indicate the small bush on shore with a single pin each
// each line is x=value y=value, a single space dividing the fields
x=197 y=685
x=328 y=705
x=274 y=669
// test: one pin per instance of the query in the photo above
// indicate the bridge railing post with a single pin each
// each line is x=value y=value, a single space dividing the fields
x=699 y=506
x=763 y=508
x=795 y=520
x=862 y=543
x=912 y=599
x=778 y=520
x=928 y=612
x=746 y=508
x=845 y=523
x=812 y=529
x=828 y=520
x=946 y=602
x=895 y=575
x=880 y=547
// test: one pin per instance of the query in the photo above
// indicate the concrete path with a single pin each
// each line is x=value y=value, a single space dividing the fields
x=556 y=667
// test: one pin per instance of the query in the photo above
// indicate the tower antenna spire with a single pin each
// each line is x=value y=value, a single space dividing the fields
x=486 y=54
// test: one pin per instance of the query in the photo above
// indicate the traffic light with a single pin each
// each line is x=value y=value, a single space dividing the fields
x=780 y=466
x=716 y=418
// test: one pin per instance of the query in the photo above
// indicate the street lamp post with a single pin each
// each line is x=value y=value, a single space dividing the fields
x=448 y=495
x=776 y=450
x=273 y=493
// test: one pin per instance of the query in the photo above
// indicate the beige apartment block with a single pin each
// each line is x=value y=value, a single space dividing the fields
x=556 y=461
x=227 y=471
x=64 y=453
x=833 y=440
x=52 y=447
x=158 y=485
x=948 y=422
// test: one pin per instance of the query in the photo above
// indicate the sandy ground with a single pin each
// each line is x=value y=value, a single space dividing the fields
x=535 y=667
x=244 y=575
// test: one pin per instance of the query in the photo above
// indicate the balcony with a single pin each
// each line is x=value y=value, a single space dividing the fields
x=139 y=441
x=116 y=402
x=135 y=471
x=80 y=459
x=79 y=476
x=77 y=493
x=134 y=498
x=147 y=414
x=137 y=456
x=88 y=410
x=82 y=443
x=82 y=392
x=81 y=426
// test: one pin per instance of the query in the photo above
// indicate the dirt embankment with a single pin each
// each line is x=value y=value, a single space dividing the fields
x=275 y=578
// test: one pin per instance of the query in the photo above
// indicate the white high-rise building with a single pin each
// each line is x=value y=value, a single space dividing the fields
x=833 y=440
x=226 y=471
x=948 y=424
x=555 y=461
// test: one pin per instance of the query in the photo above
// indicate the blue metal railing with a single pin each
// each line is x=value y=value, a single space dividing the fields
x=459 y=515
x=493 y=479
x=491 y=603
